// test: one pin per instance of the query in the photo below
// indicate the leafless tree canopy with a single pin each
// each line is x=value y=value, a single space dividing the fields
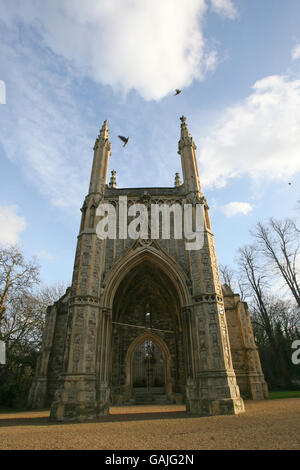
x=227 y=275
x=17 y=277
x=23 y=304
x=275 y=321
x=278 y=243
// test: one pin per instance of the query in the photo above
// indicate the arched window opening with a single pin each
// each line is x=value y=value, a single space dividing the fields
x=148 y=366
x=83 y=218
x=207 y=219
x=92 y=216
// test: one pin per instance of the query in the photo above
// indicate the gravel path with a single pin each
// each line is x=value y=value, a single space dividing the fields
x=270 y=424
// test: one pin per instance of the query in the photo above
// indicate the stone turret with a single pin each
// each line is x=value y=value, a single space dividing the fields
x=177 y=180
x=186 y=149
x=102 y=152
x=113 y=179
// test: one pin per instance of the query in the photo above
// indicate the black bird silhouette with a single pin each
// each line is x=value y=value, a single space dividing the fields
x=289 y=183
x=177 y=92
x=124 y=139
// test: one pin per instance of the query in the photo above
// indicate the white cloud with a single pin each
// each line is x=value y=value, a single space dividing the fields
x=259 y=137
x=152 y=46
x=11 y=225
x=43 y=120
x=224 y=7
x=296 y=52
x=236 y=208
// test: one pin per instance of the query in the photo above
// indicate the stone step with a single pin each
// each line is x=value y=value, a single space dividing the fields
x=153 y=391
x=151 y=399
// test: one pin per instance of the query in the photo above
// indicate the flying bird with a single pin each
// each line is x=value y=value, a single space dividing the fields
x=124 y=139
x=177 y=92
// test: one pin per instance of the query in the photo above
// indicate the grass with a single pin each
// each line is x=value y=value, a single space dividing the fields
x=284 y=394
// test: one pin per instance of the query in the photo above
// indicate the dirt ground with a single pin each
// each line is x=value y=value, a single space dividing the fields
x=273 y=424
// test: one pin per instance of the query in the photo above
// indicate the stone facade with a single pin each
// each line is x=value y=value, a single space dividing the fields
x=245 y=357
x=126 y=292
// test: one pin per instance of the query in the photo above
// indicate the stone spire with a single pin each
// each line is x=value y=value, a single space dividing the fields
x=102 y=152
x=185 y=135
x=177 y=180
x=187 y=151
x=113 y=179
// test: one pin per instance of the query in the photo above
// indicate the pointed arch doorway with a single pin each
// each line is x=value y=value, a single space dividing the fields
x=147 y=341
x=148 y=368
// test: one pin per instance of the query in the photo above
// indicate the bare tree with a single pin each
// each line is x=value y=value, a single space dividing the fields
x=286 y=314
x=254 y=274
x=17 y=276
x=232 y=279
x=24 y=319
x=279 y=243
x=227 y=275
x=23 y=305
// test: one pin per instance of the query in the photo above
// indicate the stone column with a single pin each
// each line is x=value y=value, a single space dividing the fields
x=76 y=395
x=245 y=355
x=37 y=398
x=211 y=388
x=104 y=361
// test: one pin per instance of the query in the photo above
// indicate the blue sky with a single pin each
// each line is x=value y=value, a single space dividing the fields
x=68 y=65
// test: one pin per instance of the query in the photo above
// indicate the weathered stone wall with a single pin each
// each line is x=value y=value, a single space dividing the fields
x=49 y=365
x=245 y=357
x=57 y=351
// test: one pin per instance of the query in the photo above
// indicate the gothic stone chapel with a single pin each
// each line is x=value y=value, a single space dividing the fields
x=146 y=320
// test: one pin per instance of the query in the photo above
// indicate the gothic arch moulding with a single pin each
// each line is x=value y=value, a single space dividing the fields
x=134 y=258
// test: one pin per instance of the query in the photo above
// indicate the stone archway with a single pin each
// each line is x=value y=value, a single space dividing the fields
x=130 y=357
x=137 y=256
x=144 y=283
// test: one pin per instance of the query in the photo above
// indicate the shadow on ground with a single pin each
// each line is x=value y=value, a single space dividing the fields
x=133 y=415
